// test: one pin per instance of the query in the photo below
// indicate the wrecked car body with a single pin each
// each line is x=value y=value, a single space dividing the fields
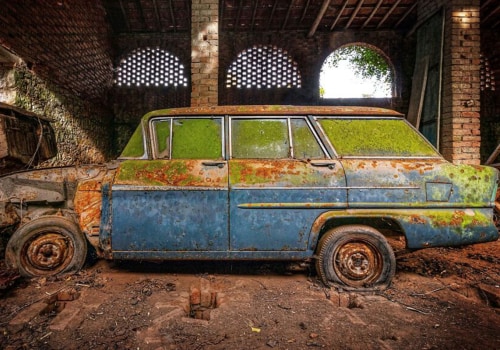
x=253 y=182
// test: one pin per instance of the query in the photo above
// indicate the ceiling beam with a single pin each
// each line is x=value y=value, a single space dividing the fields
x=254 y=14
x=388 y=13
x=319 y=17
x=238 y=15
x=491 y=14
x=354 y=13
x=486 y=3
x=125 y=17
x=339 y=14
x=141 y=13
x=305 y=10
x=495 y=24
x=157 y=14
x=172 y=15
x=405 y=15
x=272 y=14
x=288 y=14
x=372 y=14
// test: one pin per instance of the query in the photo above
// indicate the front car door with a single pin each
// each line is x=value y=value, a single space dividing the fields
x=175 y=203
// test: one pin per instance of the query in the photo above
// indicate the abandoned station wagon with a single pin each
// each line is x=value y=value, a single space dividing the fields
x=323 y=184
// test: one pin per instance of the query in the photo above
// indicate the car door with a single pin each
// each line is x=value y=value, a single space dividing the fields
x=177 y=201
x=280 y=179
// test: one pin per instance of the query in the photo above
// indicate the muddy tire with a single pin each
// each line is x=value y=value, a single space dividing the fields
x=355 y=257
x=45 y=247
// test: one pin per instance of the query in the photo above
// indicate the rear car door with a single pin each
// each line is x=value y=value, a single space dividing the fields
x=280 y=179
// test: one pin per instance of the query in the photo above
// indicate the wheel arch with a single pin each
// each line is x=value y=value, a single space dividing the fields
x=386 y=225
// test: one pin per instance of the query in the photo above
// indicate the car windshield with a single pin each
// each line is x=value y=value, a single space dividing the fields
x=370 y=137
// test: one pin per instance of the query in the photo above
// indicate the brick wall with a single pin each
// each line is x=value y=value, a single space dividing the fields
x=67 y=83
x=310 y=54
x=461 y=136
x=205 y=52
x=82 y=128
x=80 y=52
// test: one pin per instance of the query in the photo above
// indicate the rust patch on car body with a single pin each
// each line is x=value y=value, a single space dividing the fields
x=173 y=173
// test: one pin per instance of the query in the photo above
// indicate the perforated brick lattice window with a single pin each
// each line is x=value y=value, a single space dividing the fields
x=263 y=67
x=487 y=75
x=151 y=67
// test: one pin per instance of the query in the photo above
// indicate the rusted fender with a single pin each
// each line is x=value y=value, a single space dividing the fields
x=24 y=194
x=425 y=227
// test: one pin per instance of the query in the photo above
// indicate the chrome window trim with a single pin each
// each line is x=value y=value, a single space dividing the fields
x=154 y=141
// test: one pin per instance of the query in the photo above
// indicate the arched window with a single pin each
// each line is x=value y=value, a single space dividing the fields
x=263 y=67
x=356 y=71
x=151 y=67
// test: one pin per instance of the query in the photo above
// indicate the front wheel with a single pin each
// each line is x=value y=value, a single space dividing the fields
x=355 y=257
x=45 y=247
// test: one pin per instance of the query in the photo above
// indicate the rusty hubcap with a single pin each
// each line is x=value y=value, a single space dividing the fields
x=358 y=263
x=49 y=251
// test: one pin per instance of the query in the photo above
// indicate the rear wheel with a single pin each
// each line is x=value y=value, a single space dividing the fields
x=356 y=257
x=46 y=246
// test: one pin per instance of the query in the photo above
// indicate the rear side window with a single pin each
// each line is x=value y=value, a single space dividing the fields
x=369 y=137
x=273 y=138
x=188 y=138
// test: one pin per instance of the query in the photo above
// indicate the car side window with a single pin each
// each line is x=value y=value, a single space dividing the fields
x=273 y=138
x=196 y=138
x=362 y=137
x=188 y=138
x=162 y=135
x=305 y=145
x=259 y=138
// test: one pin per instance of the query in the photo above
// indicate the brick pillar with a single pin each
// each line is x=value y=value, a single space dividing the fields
x=460 y=130
x=204 y=52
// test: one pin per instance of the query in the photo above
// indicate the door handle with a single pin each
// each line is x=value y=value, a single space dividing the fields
x=215 y=163
x=329 y=165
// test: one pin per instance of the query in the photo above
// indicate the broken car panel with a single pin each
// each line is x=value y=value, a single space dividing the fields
x=253 y=182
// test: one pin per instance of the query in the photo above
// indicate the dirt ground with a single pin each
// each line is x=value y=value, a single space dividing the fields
x=441 y=298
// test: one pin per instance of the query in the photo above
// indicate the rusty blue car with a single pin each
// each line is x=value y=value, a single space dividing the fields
x=323 y=185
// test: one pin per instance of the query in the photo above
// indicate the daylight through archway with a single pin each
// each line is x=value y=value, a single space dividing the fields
x=356 y=71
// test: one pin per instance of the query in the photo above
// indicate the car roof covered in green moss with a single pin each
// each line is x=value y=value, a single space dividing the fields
x=258 y=110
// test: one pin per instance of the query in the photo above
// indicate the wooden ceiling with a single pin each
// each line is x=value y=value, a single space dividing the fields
x=310 y=16
x=490 y=14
